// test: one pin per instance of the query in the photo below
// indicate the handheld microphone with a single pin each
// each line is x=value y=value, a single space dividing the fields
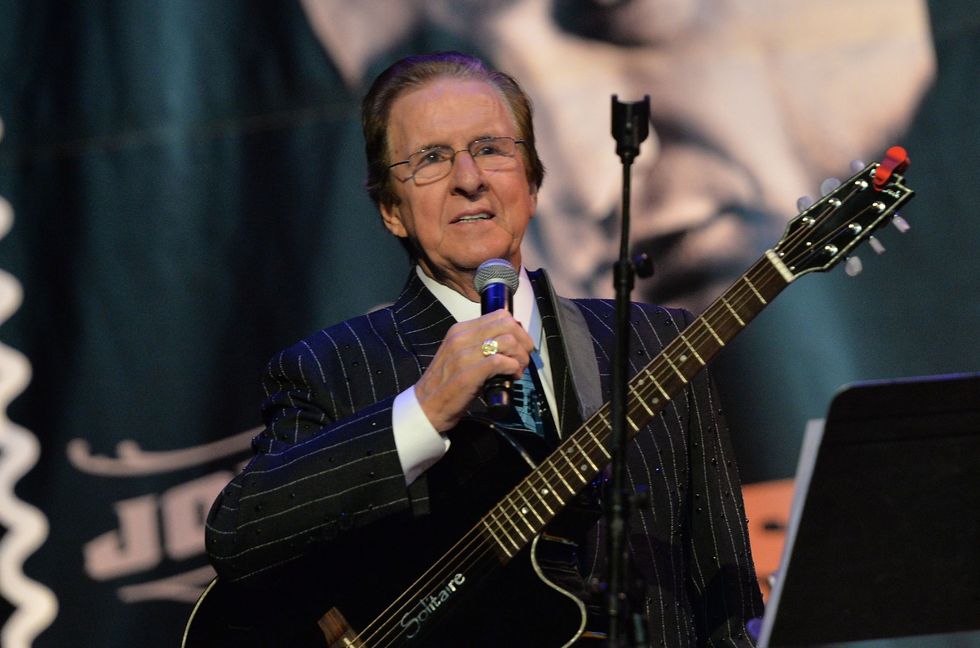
x=496 y=281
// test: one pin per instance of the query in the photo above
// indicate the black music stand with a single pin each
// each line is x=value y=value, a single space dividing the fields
x=887 y=540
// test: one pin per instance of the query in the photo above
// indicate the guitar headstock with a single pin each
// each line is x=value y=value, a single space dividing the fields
x=826 y=232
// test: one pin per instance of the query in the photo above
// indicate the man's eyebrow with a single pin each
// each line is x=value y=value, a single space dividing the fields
x=478 y=138
x=426 y=147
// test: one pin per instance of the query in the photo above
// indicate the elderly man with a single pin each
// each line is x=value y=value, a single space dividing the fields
x=374 y=463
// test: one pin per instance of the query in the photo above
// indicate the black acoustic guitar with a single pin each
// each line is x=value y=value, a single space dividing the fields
x=514 y=546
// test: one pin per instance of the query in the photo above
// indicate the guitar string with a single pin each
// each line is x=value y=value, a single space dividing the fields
x=510 y=520
x=738 y=298
x=466 y=561
x=494 y=516
x=485 y=548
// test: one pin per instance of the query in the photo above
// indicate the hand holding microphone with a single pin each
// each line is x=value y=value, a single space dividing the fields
x=479 y=356
x=496 y=281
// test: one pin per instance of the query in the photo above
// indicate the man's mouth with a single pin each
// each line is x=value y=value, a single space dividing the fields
x=469 y=218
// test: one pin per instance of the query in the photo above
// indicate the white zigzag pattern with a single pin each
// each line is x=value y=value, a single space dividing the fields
x=35 y=606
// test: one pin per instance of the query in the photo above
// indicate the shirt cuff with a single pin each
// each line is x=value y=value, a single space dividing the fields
x=418 y=443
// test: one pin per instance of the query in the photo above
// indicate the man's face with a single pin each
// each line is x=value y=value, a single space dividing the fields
x=471 y=215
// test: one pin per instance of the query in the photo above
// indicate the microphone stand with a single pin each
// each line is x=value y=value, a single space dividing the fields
x=630 y=126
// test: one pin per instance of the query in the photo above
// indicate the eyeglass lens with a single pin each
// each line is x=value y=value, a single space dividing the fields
x=489 y=154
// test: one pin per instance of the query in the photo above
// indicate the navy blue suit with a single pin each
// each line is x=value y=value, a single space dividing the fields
x=326 y=468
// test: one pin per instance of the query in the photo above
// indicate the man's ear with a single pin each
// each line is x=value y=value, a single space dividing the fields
x=391 y=215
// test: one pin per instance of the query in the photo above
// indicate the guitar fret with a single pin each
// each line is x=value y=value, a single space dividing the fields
x=491 y=519
x=521 y=514
x=500 y=544
x=585 y=455
x=602 y=416
x=693 y=350
x=732 y=310
x=520 y=534
x=642 y=402
x=712 y=331
x=543 y=489
x=503 y=530
x=674 y=367
x=495 y=514
x=547 y=490
x=632 y=424
x=544 y=502
x=757 y=293
x=571 y=464
x=529 y=507
x=657 y=383
x=555 y=470
x=598 y=443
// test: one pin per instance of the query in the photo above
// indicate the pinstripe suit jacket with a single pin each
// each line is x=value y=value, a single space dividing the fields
x=326 y=468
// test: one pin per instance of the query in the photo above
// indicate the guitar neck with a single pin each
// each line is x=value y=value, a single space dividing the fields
x=579 y=459
x=815 y=241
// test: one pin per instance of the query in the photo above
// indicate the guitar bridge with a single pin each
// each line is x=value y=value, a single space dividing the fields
x=337 y=631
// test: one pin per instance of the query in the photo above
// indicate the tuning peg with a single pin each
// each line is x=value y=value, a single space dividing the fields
x=857 y=165
x=853 y=266
x=876 y=245
x=803 y=203
x=828 y=185
x=900 y=224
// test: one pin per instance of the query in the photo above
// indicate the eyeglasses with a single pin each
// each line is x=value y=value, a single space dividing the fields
x=434 y=163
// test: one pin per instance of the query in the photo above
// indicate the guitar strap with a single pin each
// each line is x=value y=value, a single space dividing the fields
x=574 y=369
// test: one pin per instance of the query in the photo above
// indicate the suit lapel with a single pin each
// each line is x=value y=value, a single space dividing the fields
x=574 y=370
x=422 y=321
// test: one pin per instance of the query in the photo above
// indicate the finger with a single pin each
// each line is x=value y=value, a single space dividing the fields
x=501 y=365
x=474 y=358
x=498 y=324
x=510 y=348
x=508 y=344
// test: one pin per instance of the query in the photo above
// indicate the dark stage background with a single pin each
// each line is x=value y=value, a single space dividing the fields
x=185 y=184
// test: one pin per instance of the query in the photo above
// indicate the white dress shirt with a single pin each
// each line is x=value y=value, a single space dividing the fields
x=418 y=443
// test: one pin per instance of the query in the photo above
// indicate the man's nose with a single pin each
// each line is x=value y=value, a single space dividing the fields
x=467 y=177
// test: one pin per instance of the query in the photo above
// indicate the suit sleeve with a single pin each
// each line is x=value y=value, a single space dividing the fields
x=326 y=464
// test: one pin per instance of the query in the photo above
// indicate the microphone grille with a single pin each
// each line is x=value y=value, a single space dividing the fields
x=495 y=271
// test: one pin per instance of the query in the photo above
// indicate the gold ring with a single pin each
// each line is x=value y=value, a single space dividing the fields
x=489 y=347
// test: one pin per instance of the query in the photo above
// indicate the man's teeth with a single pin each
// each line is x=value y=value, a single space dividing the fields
x=474 y=217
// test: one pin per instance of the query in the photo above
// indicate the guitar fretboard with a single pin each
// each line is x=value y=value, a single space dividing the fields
x=579 y=459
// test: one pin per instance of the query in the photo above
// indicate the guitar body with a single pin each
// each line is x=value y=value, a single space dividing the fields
x=525 y=604
x=535 y=599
